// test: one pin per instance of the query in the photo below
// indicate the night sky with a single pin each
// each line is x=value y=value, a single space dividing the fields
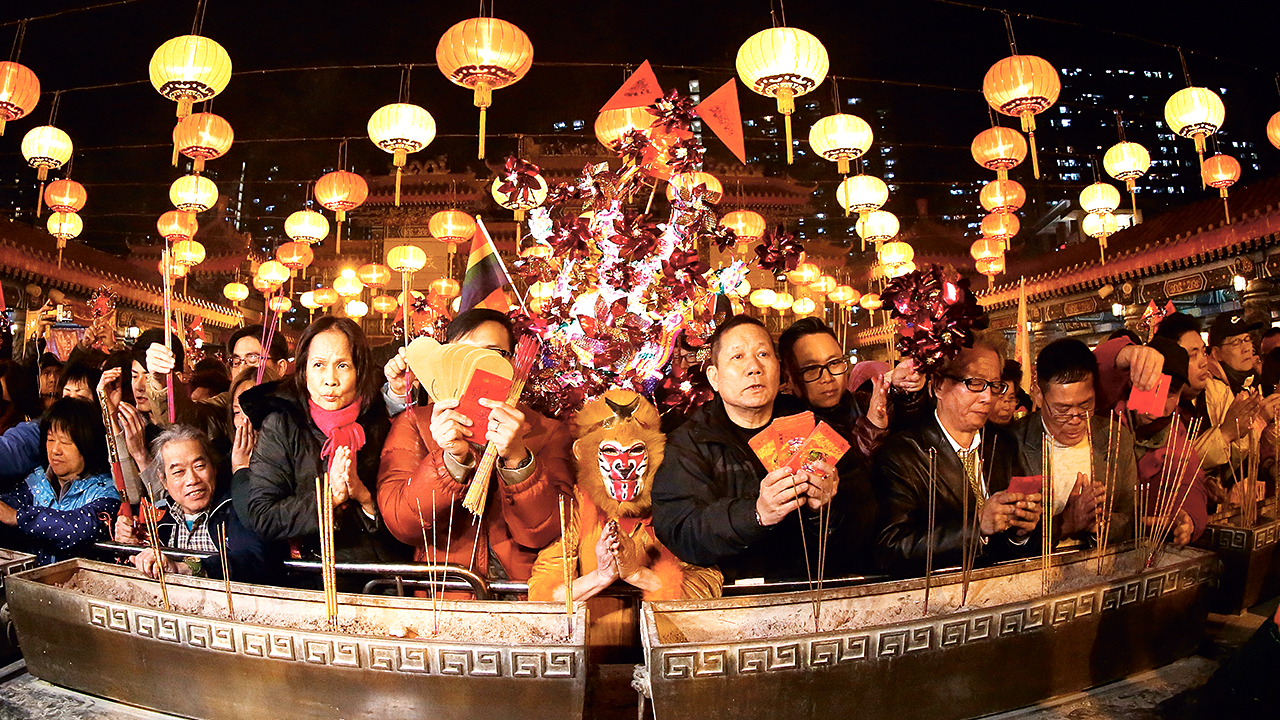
x=901 y=41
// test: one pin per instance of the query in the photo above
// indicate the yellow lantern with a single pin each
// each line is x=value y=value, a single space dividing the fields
x=273 y=272
x=385 y=304
x=1195 y=112
x=177 y=225
x=999 y=148
x=842 y=138
x=401 y=128
x=356 y=309
x=742 y=290
x=1022 y=86
x=452 y=227
x=341 y=191
x=347 y=284
x=280 y=304
x=172 y=270
x=19 y=92
x=445 y=287
x=1002 y=196
x=306 y=226
x=804 y=274
x=202 y=136
x=1000 y=226
x=1127 y=161
x=991 y=267
x=513 y=201
x=65 y=195
x=896 y=271
x=862 y=194
x=748 y=225
x=877 y=226
x=295 y=255
x=783 y=302
x=406 y=258
x=484 y=54
x=687 y=181
x=763 y=298
x=1221 y=171
x=375 y=275
x=193 y=193
x=783 y=63
x=45 y=148
x=264 y=287
x=324 y=297
x=871 y=301
x=824 y=284
x=612 y=126
x=64 y=226
x=1100 y=197
x=189 y=68
x=1100 y=226
x=987 y=248
x=803 y=306
x=188 y=252
x=235 y=291
x=896 y=253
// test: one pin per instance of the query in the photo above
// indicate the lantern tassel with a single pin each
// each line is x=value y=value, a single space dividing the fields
x=1133 y=197
x=482 y=117
x=338 y=250
x=174 y=160
x=1035 y=157
x=1225 y=208
x=40 y=202
x=61 y=244
x=651 y=194
x=1200 y=155
x=786 y=106
x=1 y=127
x=397 y=186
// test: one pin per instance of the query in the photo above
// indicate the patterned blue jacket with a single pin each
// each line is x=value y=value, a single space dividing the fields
x=55 y=525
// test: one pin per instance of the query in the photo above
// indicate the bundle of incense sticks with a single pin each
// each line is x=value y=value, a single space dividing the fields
x=1170 y=493
x=269 y=322
x=166 y=258
x=324 y=509
x=226 y=570
x=567 y=566
x=478 y=490
x=430 y=552
x=1109 y=490
x=1046 y=511
x=113 y=456
x=1249 y=491
x=151 y=516
x=971 y=541
x=931 y=526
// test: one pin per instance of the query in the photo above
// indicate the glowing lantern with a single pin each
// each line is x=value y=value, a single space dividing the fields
x=407 y=258
x=188 y=252
x=177 y=225
x=513 y=200
x=295 y=255
x=824 y=285
x=1100 y=226
x=1000 y=226
x=263 y=286
x=1127 y=161
x=385 y=304
x=1196 y=113
x=1221 y=171
x=862 y=194
x=1273 y=130
x=999 y=148
x=1002 y=196
x=783 y=63
x=347 y=284
x=202 y=136
x=19 y=92
x=853 y=296
x=871 y=301
x=748 y=225
x=45 y=148
x=341 y=191
x=193 y=193
x=279 y=304
x=897 y=271
x=445 y=287
x=452 y=227
x=189 y=68
x=742 y=290
x=896 y=253
x=172 y=271
x=783 y=302
x=484 y=54
x=803 y=306
x=306 y=226
x=842 y=138
x=65 y=196
x=987 y=248
x=991 y=266
x=401 y=128
x=273 y=272
x=356 y=309
x=763 y=298
x=375 y=275
x=64 y=226
x=1022 y=86
x=687 y=181
x=804 y=274
x=1100 y=198
x=324 y=297
x=877 y=226
x=235 y=292
x=612 y=126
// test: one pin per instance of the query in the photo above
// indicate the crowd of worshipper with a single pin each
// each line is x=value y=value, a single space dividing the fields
x=231 y=467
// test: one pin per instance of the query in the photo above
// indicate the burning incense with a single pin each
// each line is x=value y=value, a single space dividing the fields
x=150 y=516
x=226 y=570
x=931 y=526
x=168 y=310
x=113 y=455
x=478 y=490
x=1046 y=511
x=324 y=509
x=1167 y=512
x=566 y=569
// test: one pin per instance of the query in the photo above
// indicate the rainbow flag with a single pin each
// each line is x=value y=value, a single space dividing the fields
x=483 y=284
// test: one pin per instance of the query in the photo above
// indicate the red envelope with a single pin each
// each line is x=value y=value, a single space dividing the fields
x=1151 y=402
x=484 y=384
x=824 y=443
x=1026 y=485
x=792 y=431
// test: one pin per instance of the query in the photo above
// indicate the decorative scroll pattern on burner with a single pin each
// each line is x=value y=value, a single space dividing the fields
x=830 y=650
x=387 y=655
x=1230 y=538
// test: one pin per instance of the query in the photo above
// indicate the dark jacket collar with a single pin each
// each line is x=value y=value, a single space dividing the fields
x=711 y=423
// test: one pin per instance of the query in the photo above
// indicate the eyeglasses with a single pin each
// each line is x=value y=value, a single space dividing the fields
x=251 y=360
x=977 y=385
x=1067 y=414
x=813 y=373
x=1236 y=341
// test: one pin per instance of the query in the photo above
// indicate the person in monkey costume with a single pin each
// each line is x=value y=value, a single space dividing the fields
x=618 y=448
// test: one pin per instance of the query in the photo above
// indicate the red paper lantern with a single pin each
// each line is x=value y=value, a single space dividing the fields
x=65 y=196
x=999 y=149
x=374 y=275
x=295 y=255
x=19 y=92
x=177 y=225
x=202 y=136
x=1002 y=196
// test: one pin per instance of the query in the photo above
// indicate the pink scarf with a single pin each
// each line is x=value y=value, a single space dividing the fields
x=339 y=428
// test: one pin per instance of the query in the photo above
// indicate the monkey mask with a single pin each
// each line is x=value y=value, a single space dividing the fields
x=618 y=449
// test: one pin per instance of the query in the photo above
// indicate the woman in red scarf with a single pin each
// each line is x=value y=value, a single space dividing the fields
x=326 y=417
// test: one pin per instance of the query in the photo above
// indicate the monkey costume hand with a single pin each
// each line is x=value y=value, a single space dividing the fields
x=631 y=557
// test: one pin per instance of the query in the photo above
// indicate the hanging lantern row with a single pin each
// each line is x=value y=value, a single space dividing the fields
x=1022 y=86
x=45 y=148
x=1196 y=113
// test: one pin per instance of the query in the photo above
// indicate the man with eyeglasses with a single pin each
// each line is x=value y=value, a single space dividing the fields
x=972 y=462
x=1231 y=346
x=1078 y=437
x=244 y=349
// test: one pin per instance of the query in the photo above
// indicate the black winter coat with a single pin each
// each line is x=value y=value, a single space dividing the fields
x=704 y=502
x=900 y=476
x=279 y=499
x=249 y=558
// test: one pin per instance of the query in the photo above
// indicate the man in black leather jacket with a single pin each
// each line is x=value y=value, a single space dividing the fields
x=965 y=388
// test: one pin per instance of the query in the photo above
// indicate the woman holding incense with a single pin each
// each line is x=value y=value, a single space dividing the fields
x=325 y=419
x=431 y=456
x=56 y=511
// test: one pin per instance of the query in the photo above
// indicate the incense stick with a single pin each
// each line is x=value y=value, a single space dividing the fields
x=428 y=551
x=324 y=508
x=931 y=527
x=149 y=513
x=168 y=310
x=478 y=490
x=226 y=570
x=1046 y=510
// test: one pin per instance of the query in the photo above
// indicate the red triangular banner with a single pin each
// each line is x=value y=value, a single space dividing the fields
x=720 y=112
x=639 y=90
x=1169 y=309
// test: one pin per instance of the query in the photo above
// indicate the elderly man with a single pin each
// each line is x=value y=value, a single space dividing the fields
x=972 y=463
x=1090 y=454
x=1231 y=346
x=713 y=501
x=198 y=514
